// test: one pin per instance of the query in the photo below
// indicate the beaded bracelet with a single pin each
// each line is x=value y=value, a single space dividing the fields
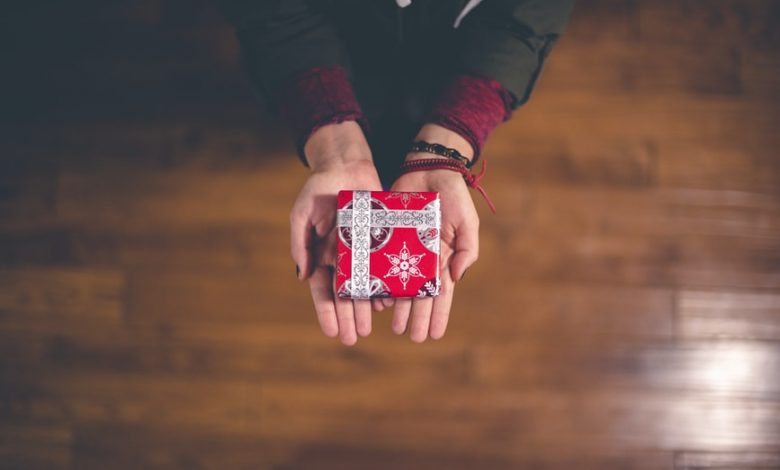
x=471 y=179
x=439 y=149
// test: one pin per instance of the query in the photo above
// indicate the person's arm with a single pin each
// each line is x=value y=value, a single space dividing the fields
x=298 y=67
x=282 y=38
x=300 y=70
x=504 y=45
x=509 y=41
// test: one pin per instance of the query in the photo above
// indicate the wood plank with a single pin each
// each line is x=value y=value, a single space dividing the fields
x=513 y=420
x=144 y=446
x=225 y=297
x=638 y=260
x=235 y=248
x=726 y=460
x=628 y=237
x=152 y=145
x=599 y=19
x=633 y=162
x=224 y=351
x=175 y=199
x=758 y=72
x=26 y=445
x=528 y=308
x=330 y=456
x=723 y=314
x=221 y=248
x=745 y=167
x=644 y=116
x=643 y=66
x=717 y=22
x=580 y=161
x=166 y=401
x=62 y=293
x=736 y=369
x=655 y=212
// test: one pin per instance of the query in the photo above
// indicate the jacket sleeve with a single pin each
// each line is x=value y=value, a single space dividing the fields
x=282 y=38
x=509 y=40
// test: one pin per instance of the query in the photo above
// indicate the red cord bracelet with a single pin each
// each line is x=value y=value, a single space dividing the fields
x=471 y=179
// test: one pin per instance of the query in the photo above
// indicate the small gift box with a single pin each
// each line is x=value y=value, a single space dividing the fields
x=388 y=244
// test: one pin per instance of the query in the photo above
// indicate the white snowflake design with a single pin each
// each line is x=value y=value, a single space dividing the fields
x=405 y=197
x=404 y=265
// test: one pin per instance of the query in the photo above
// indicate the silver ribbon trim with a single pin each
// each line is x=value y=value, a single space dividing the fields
x=392 y=218
x=360 y=222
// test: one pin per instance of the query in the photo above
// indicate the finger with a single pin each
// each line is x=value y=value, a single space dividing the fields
x=324 y=250
x=345 y=314
x=442 y=304
x=421 y=319
x=466 y=248
x=300 y=243
x=362 y=317
x=324 y=227
x=401 y=315
x=377 y=305
x=322 y=295
x=388 y=301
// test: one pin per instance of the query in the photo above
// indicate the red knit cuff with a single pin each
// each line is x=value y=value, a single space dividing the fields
x=315 y=98
x=472 y=106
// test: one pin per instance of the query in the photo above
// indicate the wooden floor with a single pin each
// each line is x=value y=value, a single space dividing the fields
x=624 y=313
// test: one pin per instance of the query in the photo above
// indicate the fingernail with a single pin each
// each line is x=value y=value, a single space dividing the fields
x=297 y=272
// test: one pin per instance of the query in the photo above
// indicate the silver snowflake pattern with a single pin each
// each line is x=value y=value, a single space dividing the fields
x=404 y=265
x=405 y=197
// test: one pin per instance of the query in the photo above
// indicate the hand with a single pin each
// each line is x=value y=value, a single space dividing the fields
x=459 y=237
x=339 y=158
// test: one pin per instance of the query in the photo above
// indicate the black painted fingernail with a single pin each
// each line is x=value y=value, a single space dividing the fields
x=297 y=272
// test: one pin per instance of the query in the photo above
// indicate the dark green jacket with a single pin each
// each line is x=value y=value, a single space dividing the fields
x=507 y=40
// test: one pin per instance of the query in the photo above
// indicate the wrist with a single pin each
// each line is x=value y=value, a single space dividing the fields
x=337 y=145
x=436 y=134
x=448 y=174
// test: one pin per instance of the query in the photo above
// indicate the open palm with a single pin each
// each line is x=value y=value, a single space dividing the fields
x=459 y=249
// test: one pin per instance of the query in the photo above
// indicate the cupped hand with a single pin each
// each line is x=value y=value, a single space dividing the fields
x=459 y=250
x=340 y=159
x=428 y=316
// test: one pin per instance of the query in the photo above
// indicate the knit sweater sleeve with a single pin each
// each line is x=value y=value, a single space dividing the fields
x=315 y=98
x=472 y=106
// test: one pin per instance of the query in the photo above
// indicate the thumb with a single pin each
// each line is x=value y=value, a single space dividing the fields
x=325 y=251
x=466 y=249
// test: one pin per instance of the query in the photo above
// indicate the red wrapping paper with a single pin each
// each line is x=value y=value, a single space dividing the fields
x=388 y=244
